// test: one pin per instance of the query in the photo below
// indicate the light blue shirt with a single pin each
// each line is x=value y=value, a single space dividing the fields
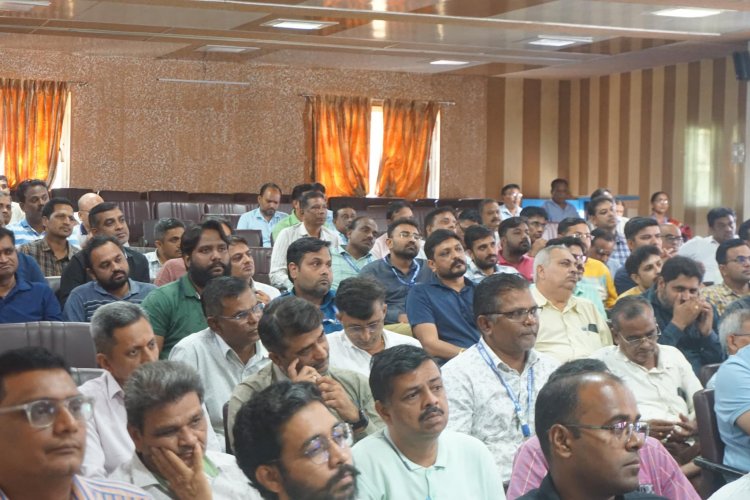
x=24 y=233
x=345 y=266
x=255 y=220
x=464 y=468
x=556 y=214
x=732 y=400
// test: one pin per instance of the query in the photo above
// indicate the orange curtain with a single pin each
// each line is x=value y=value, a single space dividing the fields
x=341 y=144
x=31 y=119
x=407 y=137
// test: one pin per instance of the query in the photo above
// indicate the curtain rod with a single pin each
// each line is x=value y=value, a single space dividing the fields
x=381 y=100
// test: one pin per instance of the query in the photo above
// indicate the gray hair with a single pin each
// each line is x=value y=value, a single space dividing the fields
x=544 y=256
x=110 y=317
x=156 y=384
x=218 y=289
x=731 y=324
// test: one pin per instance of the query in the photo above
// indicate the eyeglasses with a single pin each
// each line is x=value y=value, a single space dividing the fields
x=370 y=327
x=536 y=224
x=256 y=310
x=672 y=239
x=741 y=260
x=518 y=315
x=640 y=340
x=622 y=431
x=407 y=234
x=43 y=412
x=581 y=259
x=603 y=252
x=582 y=236
x=318 y=449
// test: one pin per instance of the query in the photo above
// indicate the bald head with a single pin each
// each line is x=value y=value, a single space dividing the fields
x=85 y=204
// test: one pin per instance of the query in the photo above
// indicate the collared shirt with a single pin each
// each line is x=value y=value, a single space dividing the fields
x=396 y=283
x=355 y=385
x=620 y=254
x=154 y=264
x=586 y=289
x=29 y=302
x=278 y=275
x=525 y=266
x=269 y=290
x=450 y=311
x=477 y=275
x=663 y=392
x=84 y=300
x=328 y=308
x=79 y=235
x=343 y=354
x=83 y=488
x=346 y=266
x=734 y=490
x=343 y=240
x=547 y=491
x=575 y=332
x=24 y=233
x=45 y=256
x=556 y=214
x=219 y=367
x=720 y=296
x=597 y=272
x=703 y=249
x=226 y=479
x=175 y=312
x=463 y=468
x=284 y=223
x=507 y=214
x=479 y=403
x=659 y=474
x=732 y=400
x=172 y=270
x=636 y=290
x=254 y=219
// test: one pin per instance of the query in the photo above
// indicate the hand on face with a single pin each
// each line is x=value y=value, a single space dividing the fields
x=306 y=374
x=685 y=313
x=262 y=297
x=186 y=482
x=336 y=398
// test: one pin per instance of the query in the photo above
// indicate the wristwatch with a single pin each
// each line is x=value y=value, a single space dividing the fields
x=361 y=423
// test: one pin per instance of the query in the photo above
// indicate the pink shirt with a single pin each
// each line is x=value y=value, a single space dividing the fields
x=172 y=270
x=659 y=471
x=525 y=267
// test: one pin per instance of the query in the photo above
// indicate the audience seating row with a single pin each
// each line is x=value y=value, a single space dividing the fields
x=72 y=341
x=157 y=196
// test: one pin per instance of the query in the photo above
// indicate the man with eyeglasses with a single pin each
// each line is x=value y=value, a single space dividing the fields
x=734 y=334
x=361 y=310
x=43 y=431
x=511 y=195
x=415 y=456
x=639 y=232
x=492 y=387
x=733 y=257
x=584 y=288
x=290 y=446
x=539 y=231
x=53 y=251
x=167 y=236
x=515 y=245
x=166 y=421
x=602 y=246
x=590 y=432
x=659 y=376
x=570 y=327
x=671 y=238
x=229 y=350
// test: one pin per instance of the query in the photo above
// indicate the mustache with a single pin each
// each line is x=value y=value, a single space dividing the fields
x=429 y=411
x=342 y=471
x=457 y=262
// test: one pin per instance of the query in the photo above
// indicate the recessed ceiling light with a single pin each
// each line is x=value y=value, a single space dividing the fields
x=299 y=24
x=226 y=49
x=448 y=62
x=559 y=41
x=22 y=5
x=687 y=12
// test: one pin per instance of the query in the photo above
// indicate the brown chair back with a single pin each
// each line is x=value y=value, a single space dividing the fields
x=707 y=371
x=712 y=447
x=262 y=258
x=71 y=341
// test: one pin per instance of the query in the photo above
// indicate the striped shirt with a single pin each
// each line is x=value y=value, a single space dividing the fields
x=45 y=256
x=85 y=299
x=24 y=233
x=99 y=489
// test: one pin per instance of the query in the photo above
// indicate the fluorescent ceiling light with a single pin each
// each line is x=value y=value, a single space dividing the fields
x=687 y=12
x=448 y=62
x=206 y=82
x=559 y=41
x=299 y=24
x=22 y=5
x=226 y=49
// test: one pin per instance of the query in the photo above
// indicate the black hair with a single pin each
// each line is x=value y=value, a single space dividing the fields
x=26 y=359
x=718 y=213
x=437 y=237
x=529 y=212
x=487 y=294
x=355 y=222
x=508 y=187
x=744 y=230
x=510 y=223
x=104 y=206
x=49 y=207
x=267 y=186
x=391 y=363
x=594 y=204
x=317 y=186
x=636 y=225
x=557 y=181
x=192 y=235
x=358 y=296
x=404 y=220
x=656 y=194
x=96 y=242
x=638 y=257
x=601 y=192
x=164 y=225
x=567 y=223
x=475 y=233
x=304 y=200
x=482 y=203
x=567 y=241
x=470 y=214
x=346 y=205
x=395 y=206
x=681 y=266
x=299 y=190
x=721 y=252
x=24 y=186
x=303 y=246
x=429 y=219
x=5 y=232
x=287 y=316
x=628 y=308
x=601 y=234
x=218 y=289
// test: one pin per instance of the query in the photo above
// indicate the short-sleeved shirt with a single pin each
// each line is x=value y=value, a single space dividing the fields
x=29 y=302
x=450 y=311
x=704 y=251
x=346 y=266
x=623 y=281
x=284 y=223
x=477 y=275
x=254 y=219
x=732 y=400
x=525 y=266
x=344 y=354
x=597 y=272
x=45 y=256
x=547 y=491
x=396 y=283
x=175 y=312
x=328 y=308
x=24 y=233
x=84 y=300
x=556 y=214
x=278 y=275
x=85 y=488
x=720 y=295
x=620 y=254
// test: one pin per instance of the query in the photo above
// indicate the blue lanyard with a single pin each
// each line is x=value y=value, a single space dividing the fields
x=413 y=278
x=353 y=264
x=525 y=429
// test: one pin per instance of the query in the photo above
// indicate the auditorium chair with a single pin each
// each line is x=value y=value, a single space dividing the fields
x=425 y=202
x=72 y=341
x=71 y=194
x=707 y=371
x=135 y=212
x=226 y=208
x=358 y=203
x=159 y=196
x=118 y=196
x=377 y=213
x=254 y=237
x=285 y=208
x=211 y=197
x=246 y=198
x=262 y=258
x=179 y=210
x=232 y=219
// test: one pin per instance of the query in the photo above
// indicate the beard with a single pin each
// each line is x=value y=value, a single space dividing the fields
x=200 y=276
x=408 y=252
x=114 y=282
x=457 y=269
x=299 y=491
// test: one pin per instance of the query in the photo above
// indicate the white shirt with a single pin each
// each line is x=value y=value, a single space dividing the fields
x=704 y=250
x=154 y=264
x=734 y=490
x=108 y=444
x=269 y=290
x=229 y=483
x=345 y=355
x=278 y=275
x=480 y=405
x=662 y=392
x=219 y=367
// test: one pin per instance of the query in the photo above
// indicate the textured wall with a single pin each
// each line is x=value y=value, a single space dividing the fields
x=131 y=132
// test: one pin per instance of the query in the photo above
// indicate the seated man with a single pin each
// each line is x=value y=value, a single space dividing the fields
x=296 y=215
x=266 y=216
x=659 y=376
x=348 y=261
x=342 y=218
x=601 y=212
x=361 y=310
x=32 y=195
x=166 y=422
x=602 y=246
x=489 y=211
x=439 y=218
x=229 y=350
x=686 y=320
x=465 y=219
x=558 y=207
x=481 y=250
x=659 y=473
x=515 y=245
x=395 y=210
x=82 y=230
x=643 y=266
x=511 y=195
x=242 y=266
x=734 y=334
x=53 y=251
x=106 y=261
x=639 y=232
x=721 y=222
x=292 y=331
x=536 y=218
x=733 y=257
x=586 y=289
x=105 y=219
x=167 y=236
x=440 y=311
x=20 y=300
x=481 y=383
x=569 y=327
x=277 y=424
x=43 y=432
x=415 y=457
x=309 y=268
x=175 y=309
